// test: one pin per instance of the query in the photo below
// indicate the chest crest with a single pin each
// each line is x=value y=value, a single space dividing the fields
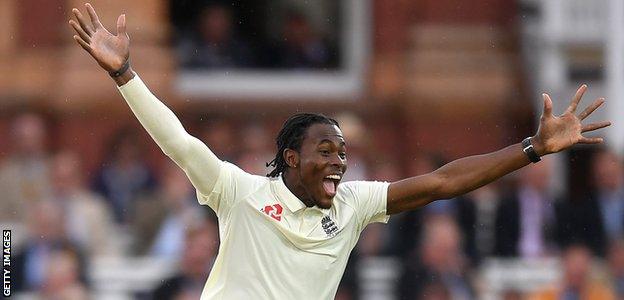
x=329 y=226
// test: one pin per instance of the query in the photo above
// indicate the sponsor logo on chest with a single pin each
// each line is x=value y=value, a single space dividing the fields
x=274 y=211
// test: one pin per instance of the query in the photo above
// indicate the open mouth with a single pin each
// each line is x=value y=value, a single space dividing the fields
x=330 y=184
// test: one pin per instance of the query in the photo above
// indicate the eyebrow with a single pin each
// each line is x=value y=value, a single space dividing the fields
x=342 y=143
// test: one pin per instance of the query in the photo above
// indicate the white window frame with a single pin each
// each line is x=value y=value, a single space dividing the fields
x=346 y=83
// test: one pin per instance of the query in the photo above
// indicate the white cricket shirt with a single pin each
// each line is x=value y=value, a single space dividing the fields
x=274 y=247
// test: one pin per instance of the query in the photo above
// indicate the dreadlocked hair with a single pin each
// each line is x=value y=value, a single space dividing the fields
x=291 y=136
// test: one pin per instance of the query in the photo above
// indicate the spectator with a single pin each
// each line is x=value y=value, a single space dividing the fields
x=301 y=47
x=375 y=239
x=354 y=131
x=256 y=151
x=408 y=229
x=124 y=175
x=165 y=214
x=24 y=174
x=486 y=201
x=200 y=249
x=220 y=135
x=372 y=241
x=616 y=267
x=385 y=171
x=512 y=294
x=435 y=289
x=87 y=218
x=577 y=282
x=46 y=236
x=599 y=216
x=62 y=277
x=214 y=43
x=607 y=170
x=526 y=218
x=439 y=259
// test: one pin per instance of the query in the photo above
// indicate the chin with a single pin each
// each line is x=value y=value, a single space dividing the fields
x=325 y=203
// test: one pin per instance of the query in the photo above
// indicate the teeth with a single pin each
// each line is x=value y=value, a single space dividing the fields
x=336 y=177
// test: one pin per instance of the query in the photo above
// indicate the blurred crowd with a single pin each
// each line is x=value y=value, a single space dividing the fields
x=210 y=37
x=64 y=219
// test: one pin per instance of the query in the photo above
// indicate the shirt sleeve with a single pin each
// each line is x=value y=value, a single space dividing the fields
x=370 y=200
x=232 y=185
x=199 y=163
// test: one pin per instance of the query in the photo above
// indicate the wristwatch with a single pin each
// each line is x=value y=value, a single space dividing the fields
x=121 y=70
x=527 y=148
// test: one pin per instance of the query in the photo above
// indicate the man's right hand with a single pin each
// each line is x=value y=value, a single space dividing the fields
x=110 y=51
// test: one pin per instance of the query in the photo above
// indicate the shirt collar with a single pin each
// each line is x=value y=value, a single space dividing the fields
x=285 y=195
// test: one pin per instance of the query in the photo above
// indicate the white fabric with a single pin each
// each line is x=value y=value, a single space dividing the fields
x=188 y=152
x=297 y=253
x=272 y=245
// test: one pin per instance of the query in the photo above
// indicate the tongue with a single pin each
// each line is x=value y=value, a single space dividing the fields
x=329 y=187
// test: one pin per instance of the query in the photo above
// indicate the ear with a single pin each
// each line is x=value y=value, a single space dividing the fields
x=291 y=157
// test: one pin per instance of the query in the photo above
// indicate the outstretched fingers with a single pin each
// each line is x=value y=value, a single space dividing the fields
x=547 y=105
x=121 y=25
x=594 y=140
x=93 y=16
x=83 y=44
x=590 y=109
x=83 y=35
x=83 y=23
x=594 y=126
x=577 y=98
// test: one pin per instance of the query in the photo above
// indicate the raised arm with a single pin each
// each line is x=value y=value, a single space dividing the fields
x=112 y=52
x=555 y=133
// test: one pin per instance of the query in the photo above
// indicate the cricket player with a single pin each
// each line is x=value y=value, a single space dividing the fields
x=288 y=235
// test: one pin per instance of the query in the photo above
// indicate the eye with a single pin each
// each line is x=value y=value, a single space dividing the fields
x=324 y=152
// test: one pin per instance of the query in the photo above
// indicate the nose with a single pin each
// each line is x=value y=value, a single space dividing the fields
x=338 y=161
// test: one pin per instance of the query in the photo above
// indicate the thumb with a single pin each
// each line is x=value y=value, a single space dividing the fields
x=547 y=105
x=121 y=25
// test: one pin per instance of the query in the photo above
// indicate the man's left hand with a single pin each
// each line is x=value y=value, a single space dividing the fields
x=557 y=133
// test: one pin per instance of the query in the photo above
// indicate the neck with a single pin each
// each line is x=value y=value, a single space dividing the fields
x=292 y=180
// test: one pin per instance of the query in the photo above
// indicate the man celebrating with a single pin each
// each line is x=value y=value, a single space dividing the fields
x=289 y=235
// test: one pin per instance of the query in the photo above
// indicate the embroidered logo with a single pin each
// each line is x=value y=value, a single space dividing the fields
x=274 y=211
x=329 y=226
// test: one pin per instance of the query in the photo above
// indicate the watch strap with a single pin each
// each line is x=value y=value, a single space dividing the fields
x=121 y=70
x=527 y=148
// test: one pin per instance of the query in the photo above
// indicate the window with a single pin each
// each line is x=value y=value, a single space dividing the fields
x=270 y=48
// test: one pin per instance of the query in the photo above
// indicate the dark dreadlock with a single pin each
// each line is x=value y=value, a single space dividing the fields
x=291 y=136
